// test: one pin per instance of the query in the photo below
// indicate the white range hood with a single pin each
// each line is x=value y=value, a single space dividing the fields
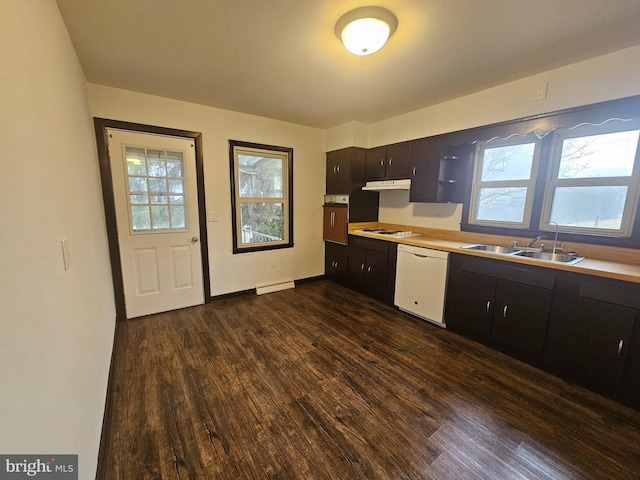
x=380 y=185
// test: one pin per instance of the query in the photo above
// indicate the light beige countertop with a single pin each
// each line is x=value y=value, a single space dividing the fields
x=610 y=262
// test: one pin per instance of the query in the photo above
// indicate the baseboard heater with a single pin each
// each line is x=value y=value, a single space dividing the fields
x=274 y=287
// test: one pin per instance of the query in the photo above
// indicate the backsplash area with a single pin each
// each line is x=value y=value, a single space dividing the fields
x=396 y=208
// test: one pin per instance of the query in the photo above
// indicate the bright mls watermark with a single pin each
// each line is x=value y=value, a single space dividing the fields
x=49 y=467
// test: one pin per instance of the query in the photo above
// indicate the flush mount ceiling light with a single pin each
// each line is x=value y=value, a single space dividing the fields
x=365 y=30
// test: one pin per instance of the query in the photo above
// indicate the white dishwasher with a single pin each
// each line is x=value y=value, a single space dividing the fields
x=421 y=277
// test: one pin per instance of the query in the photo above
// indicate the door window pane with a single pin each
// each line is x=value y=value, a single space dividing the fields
x=176 y=185
x=156 y=163
x=137 y=184
x=589 y=207
x=160 y=217
x=501 y=204
x=136 y=161
x=153 y=175
x=140 y=218
x=178 y=217
x=596 y=156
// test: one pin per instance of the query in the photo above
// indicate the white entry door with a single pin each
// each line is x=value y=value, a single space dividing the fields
x=156 y=200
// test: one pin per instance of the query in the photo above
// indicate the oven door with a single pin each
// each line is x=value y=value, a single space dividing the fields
x=336 y=223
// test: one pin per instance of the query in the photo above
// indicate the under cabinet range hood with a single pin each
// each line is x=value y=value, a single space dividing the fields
x=380 y=185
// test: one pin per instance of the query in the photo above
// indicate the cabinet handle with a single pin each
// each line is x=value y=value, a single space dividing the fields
x=413 y=172
x=369 y=269
x=620 y=346
x=334 y=169
x=338 y=168
x=488 y=305
x=391 y=161
x=382 y=162
x=504 y=312
x=362 y=267
x=333 y=219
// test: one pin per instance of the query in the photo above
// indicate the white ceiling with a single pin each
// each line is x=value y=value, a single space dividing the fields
x=281 y=59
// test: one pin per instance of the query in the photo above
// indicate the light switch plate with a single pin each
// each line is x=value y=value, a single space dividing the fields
x=212 y=216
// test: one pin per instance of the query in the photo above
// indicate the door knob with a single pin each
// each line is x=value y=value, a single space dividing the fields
x=194 y=239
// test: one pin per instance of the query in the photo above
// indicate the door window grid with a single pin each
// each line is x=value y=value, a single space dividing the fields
x=157 y=197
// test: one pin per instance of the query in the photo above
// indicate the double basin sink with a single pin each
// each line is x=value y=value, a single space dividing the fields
x=564 y=258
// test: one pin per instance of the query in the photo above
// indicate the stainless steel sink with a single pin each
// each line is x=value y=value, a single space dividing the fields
x=492 y=248
x=563 y=258
x=551 y=257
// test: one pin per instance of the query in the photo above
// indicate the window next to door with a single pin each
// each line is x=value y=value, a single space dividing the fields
x=261 y=196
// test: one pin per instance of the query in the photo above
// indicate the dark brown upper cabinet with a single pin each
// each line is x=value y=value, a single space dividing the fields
x=439 y=172
x=390 y=162
x=344 y=168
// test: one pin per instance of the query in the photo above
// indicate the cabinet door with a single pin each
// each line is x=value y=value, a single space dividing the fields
x=335 y=266
x=356 y=267
x=376 y=273
x=424 y=169
x=343 y=165
x=332 y=162
x=520 y=317
x=594 y=343
x=469 y=303
x=398 y=158
x=376 y=162
x=335 y=224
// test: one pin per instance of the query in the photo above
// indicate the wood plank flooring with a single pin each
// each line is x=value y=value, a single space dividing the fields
x=320 y=382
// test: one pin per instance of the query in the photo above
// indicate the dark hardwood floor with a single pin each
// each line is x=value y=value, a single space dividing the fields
x=320 y=382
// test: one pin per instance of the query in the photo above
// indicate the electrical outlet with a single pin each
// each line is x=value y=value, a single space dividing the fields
x=274 y=263
x=436 y=219
x=212 y=216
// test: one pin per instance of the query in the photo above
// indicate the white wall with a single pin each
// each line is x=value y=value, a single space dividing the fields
x=57 y=325
x=607 y=77
x=229 y=272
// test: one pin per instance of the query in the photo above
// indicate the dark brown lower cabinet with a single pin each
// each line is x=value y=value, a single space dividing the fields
x=469 y=303
x=336 y=262
x=581 y=327
x=520 y=317
x=591 y=331
x=366 y=265
x=371 y=268
x=501 y=303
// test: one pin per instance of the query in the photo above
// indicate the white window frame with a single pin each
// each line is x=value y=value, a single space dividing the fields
x=284 y=154
x=529 y=184
x=631 y=182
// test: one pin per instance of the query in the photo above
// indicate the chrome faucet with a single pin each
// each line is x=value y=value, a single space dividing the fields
x=531 y=243
x=555 y=240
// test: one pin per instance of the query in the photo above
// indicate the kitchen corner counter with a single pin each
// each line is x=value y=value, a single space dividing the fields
x=600 y=261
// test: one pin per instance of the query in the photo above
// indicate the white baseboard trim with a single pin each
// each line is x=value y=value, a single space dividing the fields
x=274 y=287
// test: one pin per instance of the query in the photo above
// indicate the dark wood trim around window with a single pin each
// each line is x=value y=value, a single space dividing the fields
x=596 y=113
x=234 y=220
x=100 y=127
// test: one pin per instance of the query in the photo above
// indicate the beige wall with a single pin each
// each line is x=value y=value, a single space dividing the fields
x=229 y=272
x=57 y=325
